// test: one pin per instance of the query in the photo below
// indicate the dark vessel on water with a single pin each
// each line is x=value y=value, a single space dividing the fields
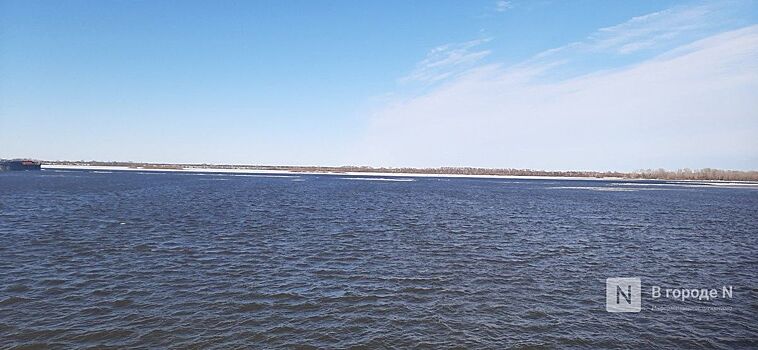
x=19 y=165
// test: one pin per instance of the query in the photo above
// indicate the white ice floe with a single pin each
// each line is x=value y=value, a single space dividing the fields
x=696 y=184
x=259 y=175
x=603 y=189
x=376 y=179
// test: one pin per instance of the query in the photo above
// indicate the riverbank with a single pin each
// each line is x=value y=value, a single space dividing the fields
x=291 y=172
x=367 y=174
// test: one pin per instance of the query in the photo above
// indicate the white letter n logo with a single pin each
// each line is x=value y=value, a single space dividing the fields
x=623 y=294
x=627 y=295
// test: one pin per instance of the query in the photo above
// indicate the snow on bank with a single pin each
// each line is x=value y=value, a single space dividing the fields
x=294 y=173
x=392 y=176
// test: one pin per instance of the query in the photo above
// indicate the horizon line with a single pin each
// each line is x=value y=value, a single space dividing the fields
x=418 y=168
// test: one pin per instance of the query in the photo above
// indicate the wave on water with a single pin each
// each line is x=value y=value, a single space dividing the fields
x=131 y=261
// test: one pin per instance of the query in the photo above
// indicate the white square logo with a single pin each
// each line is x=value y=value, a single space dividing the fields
x=623 y=294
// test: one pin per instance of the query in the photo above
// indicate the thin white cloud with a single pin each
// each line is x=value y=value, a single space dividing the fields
x=651 y=33
x=447 y=61
x=649 y=30
x=503 y=5
x=695 y=105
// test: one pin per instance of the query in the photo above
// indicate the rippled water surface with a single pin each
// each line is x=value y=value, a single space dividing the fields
x=127 y=259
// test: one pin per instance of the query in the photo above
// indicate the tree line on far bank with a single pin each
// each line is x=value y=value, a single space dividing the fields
x=652 y=174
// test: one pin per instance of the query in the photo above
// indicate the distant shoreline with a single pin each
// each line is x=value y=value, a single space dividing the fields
x=290 y=172
x=348 y=171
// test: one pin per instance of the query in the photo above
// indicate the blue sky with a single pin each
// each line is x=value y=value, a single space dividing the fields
x=538 y=84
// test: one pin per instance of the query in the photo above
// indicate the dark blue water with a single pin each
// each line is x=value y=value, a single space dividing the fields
x=150 y=260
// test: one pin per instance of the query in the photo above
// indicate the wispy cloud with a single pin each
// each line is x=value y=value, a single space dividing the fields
x=652 y=29
x=650 y=34
x=503 y=5
x=656 y=111
x=447 y=61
